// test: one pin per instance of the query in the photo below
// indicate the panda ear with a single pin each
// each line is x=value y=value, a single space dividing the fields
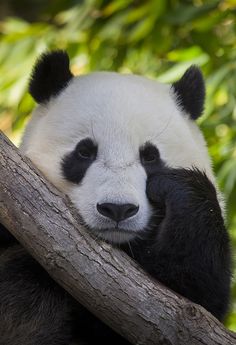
x=50 y=75
x=190 y=92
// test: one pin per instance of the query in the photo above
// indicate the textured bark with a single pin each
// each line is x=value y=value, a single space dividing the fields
x=103 y=279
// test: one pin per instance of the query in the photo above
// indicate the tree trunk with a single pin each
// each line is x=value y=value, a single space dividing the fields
x=102 y=278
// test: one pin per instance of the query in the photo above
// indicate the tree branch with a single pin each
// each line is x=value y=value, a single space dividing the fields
x=102 y=278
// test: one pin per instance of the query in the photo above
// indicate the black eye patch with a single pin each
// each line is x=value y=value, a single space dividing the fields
x=75 y=164
x=150 y=157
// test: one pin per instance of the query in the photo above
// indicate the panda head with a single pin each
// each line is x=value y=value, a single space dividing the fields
x=97 y=137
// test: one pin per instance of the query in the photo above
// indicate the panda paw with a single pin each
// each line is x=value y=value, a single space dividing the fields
x=180 y=188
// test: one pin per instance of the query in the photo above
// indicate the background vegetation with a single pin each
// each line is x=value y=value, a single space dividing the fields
x=159 y=39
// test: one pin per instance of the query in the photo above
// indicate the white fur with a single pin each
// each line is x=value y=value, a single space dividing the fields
x=120 y=113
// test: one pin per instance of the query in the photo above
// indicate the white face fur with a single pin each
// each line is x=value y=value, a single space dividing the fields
x=120 y=113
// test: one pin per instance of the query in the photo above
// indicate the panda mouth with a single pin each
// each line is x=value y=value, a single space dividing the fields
x=116 y=234
x=116 y=229
x=113 y=230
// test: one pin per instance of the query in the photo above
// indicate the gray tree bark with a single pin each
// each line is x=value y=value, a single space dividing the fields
x=102 y=278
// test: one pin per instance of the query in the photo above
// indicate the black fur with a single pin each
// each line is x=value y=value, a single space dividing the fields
x=75 y=164
x=34 y=310
x=190 y=92
x=187 y=250
x=50 y=76
x=149 y=155
x=6 y=237
x=190 y=251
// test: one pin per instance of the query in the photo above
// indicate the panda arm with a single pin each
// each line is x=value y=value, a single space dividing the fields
x=33 y=309
x=190 y=252
x=6 y=238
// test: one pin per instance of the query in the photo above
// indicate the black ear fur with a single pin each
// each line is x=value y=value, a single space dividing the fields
x=190 y=92
x=50 y=75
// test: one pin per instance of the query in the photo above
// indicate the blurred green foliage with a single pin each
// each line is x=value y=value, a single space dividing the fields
x=159 y=39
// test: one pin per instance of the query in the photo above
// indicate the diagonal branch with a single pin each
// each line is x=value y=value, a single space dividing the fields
x=102 y=278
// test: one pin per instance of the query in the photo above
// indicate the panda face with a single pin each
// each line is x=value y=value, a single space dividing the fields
x=98 y=139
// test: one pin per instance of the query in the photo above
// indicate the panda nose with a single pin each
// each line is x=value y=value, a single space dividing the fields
x=117 y=212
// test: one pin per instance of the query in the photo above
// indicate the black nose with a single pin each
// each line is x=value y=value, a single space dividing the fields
x=117 y=212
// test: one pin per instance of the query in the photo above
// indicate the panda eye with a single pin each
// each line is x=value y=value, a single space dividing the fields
x=83 y=152
x=86 y=149
x=149 y=154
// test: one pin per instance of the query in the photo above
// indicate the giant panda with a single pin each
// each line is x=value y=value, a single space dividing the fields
x=128 y=153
